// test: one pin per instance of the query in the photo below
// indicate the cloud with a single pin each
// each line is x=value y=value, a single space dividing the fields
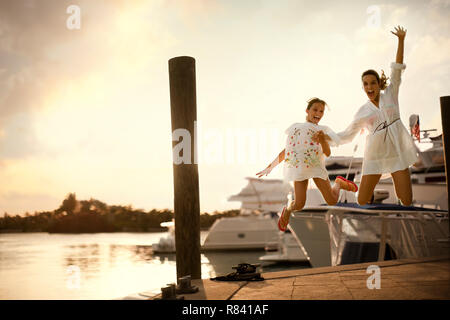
x=18 y=140
x=40 y=58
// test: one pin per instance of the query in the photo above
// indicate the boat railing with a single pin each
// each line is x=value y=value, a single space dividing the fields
x=402 y=230
x=405 y=229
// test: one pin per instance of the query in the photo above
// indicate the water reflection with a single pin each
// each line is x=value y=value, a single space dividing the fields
x=143 y=253
x=136 y=253
x=95 y=266
x=86 y=257
x=165 y=257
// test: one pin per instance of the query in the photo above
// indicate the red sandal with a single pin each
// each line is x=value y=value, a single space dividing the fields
x=279 y=220
x=348 y=182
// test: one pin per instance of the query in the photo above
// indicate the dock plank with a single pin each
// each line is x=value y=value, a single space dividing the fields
x=408 y=279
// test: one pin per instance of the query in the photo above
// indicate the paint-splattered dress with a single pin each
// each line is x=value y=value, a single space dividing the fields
x=304 y=159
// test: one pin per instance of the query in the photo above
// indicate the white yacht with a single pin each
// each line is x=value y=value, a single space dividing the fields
x=243 y=232
x=255 y=228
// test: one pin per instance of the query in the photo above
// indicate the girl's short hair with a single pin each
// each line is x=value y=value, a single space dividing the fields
x=382 y=81
x=314 y=100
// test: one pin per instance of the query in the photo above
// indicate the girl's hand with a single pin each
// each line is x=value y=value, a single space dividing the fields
x=399 y=32
x=266 y=171
x=318 y=136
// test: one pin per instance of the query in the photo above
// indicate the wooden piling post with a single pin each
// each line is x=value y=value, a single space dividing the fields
x=183 y=106
x=445 y=117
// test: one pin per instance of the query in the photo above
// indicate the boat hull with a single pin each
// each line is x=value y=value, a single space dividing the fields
x=311 y=231
x=252 y=232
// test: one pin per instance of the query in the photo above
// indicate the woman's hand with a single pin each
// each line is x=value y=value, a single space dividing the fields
x=266 y=171
x=399 y=32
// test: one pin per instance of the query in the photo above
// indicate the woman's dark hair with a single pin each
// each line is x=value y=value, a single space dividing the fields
x=381 y=81
x=314 y=100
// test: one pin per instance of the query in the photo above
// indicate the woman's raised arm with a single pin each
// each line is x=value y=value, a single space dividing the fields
x=398 y=66
x=401 y=34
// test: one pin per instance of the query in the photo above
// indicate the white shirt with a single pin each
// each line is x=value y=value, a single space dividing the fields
x=389 y=147
x=303 y=158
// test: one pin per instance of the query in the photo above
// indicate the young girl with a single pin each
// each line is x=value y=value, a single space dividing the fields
x=389 y=147
x=304 y=159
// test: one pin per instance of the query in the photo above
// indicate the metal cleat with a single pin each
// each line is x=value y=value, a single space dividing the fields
x=169 y=293
x=184 y=285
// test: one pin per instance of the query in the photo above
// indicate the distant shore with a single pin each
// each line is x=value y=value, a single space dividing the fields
x=93 y=216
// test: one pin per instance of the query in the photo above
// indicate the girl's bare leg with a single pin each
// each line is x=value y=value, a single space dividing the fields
x=300 y=188
x=366 y=187
x=403 y=187
x=330 y=194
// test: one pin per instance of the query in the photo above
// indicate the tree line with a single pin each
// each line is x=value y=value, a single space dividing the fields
x=90 y=216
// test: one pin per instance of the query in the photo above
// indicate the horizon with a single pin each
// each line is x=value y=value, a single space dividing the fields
x=85 y=105
x=108 y=205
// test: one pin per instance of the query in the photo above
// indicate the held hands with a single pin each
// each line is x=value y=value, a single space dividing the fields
x=399 y=32
x=319 y=136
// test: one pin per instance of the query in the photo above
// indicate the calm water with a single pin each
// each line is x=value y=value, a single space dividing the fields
x=97 y=266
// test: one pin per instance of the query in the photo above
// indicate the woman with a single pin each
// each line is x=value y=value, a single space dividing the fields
x=389 y=147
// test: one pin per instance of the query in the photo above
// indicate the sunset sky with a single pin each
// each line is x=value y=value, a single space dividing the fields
x=88 y=110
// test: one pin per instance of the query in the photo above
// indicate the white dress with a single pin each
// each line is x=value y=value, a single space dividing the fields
x=304 y=159
x=389 y=147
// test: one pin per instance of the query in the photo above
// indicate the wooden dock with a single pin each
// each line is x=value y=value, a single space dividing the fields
x=413 y=279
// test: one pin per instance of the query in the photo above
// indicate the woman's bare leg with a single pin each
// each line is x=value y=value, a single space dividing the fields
x=331 y=195
x=403 y=187
x=366 y=187
x=300 y=188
